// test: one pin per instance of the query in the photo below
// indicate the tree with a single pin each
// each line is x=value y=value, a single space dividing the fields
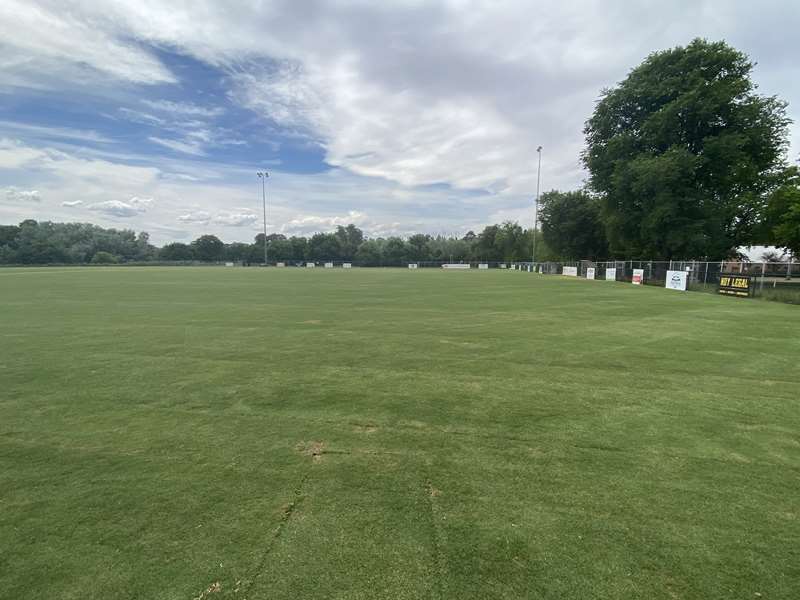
x=395 y=251
x=485 y=246
x=512 y=242
x=682 y=153
x=208 y=248
x=370 y=252
x=8 y=235
x=782 y=214
x=350 y=238
x=324 y=246
x=176 y=251
x=572 y=225
x=418 y=247
x=237 y=252
x=104 y=258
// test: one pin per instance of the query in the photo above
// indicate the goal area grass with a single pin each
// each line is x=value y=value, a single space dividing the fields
x=184 y=433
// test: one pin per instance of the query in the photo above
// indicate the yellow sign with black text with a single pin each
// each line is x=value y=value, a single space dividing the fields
x=736 y=284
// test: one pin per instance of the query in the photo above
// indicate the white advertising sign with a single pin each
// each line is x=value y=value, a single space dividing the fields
x=677 y=280
x=347 y=265
x=280 y=265
x=638 y=277
x=570 y=271
x=310 y=265
x=328 y=265
x=483 y=266
x=228 y=264
x=413 y=265
x=611 y=274
x=590 y=273
x=455 y=266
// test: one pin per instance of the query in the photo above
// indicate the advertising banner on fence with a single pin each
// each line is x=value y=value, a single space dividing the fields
x=347 y=265
x=677 y=280
x=590 y=273
x=413 y=265
x=611 y=274
x=571 y=271
x=455 y=266
x=483 y=266
x=638 y=277
x=735 y=284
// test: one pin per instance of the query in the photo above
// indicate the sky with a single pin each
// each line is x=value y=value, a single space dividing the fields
x=400 y=117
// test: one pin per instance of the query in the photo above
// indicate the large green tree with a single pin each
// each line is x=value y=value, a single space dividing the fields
x=572 y=225
x=350 y=238
x=782 y=215
x=682 y=153
x=325 y=246
x=208 y=248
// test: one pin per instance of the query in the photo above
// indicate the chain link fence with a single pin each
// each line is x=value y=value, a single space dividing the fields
x=772 y=280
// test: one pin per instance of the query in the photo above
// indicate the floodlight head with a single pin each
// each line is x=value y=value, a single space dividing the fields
x=539 y=149
x=260 y=174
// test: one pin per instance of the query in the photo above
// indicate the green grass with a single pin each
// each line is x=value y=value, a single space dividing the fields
x=393 y=434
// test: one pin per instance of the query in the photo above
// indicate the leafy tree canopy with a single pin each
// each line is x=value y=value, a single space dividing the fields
x=682 y=153
x=782 y=215
x=572 y=225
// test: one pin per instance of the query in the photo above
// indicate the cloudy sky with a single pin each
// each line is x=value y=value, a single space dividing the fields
x=397 y=116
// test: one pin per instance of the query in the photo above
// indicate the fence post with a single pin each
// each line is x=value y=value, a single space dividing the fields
x=705 y=276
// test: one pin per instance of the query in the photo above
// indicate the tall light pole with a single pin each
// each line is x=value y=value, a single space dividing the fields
x=536 y=208
x=262 y=175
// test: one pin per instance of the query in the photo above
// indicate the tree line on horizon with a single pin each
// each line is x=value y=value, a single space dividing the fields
x=33 y=242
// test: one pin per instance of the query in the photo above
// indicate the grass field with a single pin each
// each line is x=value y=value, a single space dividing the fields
x=241 y=433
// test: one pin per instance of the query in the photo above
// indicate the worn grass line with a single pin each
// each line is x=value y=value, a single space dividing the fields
x=436 y=542
x=290 y=509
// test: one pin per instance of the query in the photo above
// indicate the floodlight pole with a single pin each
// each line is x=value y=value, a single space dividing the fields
x=536 y=208
x=263 y=177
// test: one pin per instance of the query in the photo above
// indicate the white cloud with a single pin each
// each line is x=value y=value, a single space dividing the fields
x=184 y=108
x=71 y=203
x=42 y=41
x=235 y=219
x=17 y=155
x=199 y=216
x=141 y=203
x=459 y=92
x=16 y=195
x=14 y=154
x=313 y=223
x=115 y=208
x=192 y=148
x=38 y=131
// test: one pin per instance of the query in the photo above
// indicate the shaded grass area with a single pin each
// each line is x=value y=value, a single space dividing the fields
x=242 y=433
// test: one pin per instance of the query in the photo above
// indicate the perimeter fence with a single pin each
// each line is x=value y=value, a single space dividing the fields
x=771 y=280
